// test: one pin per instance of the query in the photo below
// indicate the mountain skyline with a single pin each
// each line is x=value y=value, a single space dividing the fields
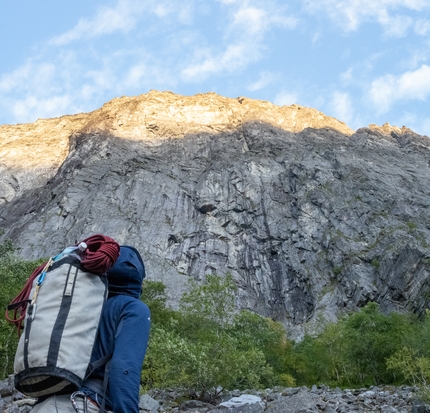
x=362 y=62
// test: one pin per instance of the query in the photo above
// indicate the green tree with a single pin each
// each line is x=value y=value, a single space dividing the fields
x=354 y=351
x=207 y=344
x=418 y=339
x=322 y=359
x=154 y=296
x=372 y=338
x=413 y=368
x=213 y=301
x=254 y=331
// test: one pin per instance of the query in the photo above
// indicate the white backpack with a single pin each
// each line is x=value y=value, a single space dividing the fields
x=60 y=328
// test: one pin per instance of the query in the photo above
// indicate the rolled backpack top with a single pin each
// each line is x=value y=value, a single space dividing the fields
x=61 y=314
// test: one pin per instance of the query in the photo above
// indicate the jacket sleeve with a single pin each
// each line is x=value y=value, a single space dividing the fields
x=131 y=341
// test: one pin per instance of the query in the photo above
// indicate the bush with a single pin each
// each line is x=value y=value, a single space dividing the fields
x=372 y=338
x=413 y=368
x=353 y=351
x=322 y=360
x=206 y=345
x=154 y=296
x=14 y=272
x=253 y=331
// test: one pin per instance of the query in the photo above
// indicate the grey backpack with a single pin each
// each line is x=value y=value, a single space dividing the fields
x=60 y=328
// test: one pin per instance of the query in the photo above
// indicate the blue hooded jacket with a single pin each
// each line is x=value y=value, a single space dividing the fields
x=123 y=333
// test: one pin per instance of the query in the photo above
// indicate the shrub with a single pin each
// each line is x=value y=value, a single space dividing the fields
x=353 y=352
x=254 y=331
x=206 y=344
x=372 y=338
x=154 y=296
x=14 y=272
x=413 y=368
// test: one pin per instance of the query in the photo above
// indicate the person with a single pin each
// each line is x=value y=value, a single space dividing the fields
x=121 y=345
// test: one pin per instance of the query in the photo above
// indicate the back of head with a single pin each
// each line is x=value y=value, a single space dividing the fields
x=126 y=275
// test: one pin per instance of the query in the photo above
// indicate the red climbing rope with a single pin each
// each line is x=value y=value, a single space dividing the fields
x=101 y=253
x=19 y=304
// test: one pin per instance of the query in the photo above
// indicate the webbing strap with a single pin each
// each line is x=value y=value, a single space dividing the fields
x=61 y=320
x=18 y=304
x=105 y=385
x=96 y=364
x=27 y=335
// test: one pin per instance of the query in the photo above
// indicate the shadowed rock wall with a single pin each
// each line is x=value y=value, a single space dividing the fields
x=310 y=221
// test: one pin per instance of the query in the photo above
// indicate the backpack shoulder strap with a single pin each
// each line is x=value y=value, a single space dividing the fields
x=105 y=385
x=96 y=364
x=104 y=361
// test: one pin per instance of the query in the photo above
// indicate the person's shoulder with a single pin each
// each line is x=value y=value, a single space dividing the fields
x=132 y=304
x=125 y=301
x=138 y=304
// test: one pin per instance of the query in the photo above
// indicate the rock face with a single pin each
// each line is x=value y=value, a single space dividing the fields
x=310 y=218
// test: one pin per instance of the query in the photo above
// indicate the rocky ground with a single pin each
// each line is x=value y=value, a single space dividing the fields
x=318 y=399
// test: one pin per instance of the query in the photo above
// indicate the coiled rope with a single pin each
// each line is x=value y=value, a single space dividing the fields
x=101 y=253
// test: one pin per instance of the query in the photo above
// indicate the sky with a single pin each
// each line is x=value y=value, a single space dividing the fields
x=361 y=61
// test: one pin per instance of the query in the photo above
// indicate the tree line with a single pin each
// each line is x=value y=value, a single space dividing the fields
x=207 y=345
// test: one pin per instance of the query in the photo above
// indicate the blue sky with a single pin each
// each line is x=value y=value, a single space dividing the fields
x=361 y=61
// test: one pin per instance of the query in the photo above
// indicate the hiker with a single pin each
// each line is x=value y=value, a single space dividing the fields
x=123 y=337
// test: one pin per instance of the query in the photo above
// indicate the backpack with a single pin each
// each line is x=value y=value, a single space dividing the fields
x=60 y=327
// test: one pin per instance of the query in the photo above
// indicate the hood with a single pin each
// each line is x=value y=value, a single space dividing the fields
x=126 y=275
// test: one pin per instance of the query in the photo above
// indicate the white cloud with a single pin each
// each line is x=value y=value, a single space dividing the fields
x=186 y=14
x=341 y=106
x=412 y=85
x=161 y=10
x=251 y=19
x=145 y=75
x=52 y=87
x=422 y=27
x=395 y=26
x=316 y=37
x=33 y=107
x=414 y=59
x=285 y=98
x=107 y=20
x=136 y=74
x=415 y=122
x=347 y=76
x=234 y=58
x=10 y=81
x=124 y=17
x=30 y=76
x=265 y=79
x=101 y=79
x=256 y=20
x=350 y=14
x=243 y=37
x=228 y=1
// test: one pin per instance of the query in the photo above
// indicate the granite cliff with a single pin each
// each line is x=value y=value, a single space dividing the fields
x=311 y=218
